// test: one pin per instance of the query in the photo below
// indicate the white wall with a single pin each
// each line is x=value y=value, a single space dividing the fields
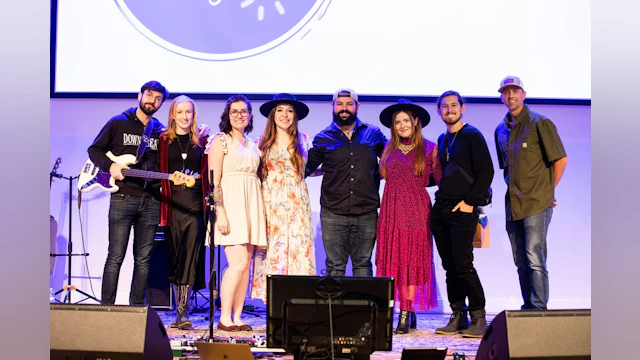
x=76 y=122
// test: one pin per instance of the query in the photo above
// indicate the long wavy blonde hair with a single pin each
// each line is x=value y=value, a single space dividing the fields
x=170 y=133
x=270 y=137
x=417 y=140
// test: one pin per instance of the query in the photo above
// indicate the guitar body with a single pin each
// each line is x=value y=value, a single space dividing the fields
x=92 y=176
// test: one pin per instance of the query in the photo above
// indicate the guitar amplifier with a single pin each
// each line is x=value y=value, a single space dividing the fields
x=158 y=293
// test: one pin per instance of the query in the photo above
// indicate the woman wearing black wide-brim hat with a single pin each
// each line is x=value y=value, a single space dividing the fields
x=404 y=245
x=290 y=245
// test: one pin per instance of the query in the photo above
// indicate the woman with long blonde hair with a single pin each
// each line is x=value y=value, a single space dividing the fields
x=183 y=209
x=405 y=243
x=290 y=245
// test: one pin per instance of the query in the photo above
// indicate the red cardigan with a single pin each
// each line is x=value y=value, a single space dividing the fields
x=165 y=193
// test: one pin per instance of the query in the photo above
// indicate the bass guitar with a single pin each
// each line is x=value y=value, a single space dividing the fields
x=91 y=176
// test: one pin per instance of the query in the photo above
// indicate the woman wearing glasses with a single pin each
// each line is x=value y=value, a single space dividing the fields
x=240 y=220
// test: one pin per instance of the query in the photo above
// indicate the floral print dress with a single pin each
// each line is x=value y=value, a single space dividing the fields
x=290 y=244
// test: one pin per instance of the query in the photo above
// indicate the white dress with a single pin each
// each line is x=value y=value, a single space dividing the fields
x=241 y=193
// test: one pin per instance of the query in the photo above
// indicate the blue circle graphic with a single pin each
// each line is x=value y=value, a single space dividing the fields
x=221 y=29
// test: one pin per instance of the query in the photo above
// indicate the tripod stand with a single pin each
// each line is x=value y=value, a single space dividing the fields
x=69 y=287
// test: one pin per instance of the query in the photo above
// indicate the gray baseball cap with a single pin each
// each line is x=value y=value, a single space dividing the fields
x=345 y=92
x=511 y=81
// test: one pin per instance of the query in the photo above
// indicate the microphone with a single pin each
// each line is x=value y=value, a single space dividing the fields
x=210 y=199
x=55 y=175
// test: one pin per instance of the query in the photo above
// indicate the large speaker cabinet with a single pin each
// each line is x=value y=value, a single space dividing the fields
x=115 y=332
x=544 y=334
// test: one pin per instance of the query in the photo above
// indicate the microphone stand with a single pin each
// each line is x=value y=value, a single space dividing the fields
x=214 y=299
x=69 y=287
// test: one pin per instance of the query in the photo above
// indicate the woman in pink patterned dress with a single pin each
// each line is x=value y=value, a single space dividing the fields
x=405 y=243
x=290 y=245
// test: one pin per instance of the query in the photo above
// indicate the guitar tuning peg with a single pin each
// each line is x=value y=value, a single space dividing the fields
x=195 y=175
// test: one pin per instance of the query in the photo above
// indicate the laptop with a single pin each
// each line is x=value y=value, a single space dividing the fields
x=224 y=351
x=424 y=354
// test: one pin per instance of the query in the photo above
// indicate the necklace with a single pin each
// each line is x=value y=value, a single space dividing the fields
x=450 y=146
x=184 y=157
x=405 y=148
x=184 y=152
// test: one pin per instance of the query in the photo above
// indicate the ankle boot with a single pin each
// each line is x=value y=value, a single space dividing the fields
x=182 y=318
x=414 y=320
x=458 y=321
x=478 y=324
x=403 y=322
x=176 y=296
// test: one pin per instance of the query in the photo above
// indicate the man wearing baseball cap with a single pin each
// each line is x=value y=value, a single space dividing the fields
x=533 y=158
x=348 y=150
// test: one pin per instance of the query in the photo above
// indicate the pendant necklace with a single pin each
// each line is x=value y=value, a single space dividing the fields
x=184 y=157
x=184 y=152
x=454 y=139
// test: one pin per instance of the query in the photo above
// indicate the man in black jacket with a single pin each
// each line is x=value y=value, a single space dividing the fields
x=465 y=186
x=137 y=200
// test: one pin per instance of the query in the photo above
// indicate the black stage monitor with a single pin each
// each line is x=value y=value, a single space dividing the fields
x=305 y=312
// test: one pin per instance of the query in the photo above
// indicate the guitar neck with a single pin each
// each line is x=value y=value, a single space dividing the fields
x=145 y=174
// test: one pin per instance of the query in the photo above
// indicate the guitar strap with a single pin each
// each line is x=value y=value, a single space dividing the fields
x=144 y=141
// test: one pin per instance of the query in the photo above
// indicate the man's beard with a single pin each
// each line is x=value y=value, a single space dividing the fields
x=145 y=110
x=449 y=121
x=346 y=122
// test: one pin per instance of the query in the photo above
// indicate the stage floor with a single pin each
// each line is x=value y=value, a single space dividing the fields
x=422 y=337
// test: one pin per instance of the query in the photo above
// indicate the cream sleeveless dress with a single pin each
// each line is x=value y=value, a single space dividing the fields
x=241 y=193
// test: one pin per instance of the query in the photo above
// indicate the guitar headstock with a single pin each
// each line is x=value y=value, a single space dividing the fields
x=179 y=178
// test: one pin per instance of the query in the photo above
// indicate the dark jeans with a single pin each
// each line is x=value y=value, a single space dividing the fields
x=144 y=214
x=453 y=233
x=348 y=235
x=529 y=245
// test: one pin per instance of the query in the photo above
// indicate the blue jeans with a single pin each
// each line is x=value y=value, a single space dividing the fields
x=348 y=235
x=529 y=245
x=143 y=213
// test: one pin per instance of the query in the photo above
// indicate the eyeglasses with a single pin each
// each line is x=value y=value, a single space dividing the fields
x=150 y=96
x=236 y=113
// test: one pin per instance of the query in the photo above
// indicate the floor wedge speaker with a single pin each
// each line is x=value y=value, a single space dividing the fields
x=542 y=334
x=117 y=332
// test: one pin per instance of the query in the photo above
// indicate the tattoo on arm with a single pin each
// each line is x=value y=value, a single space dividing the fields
x=217 y=197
